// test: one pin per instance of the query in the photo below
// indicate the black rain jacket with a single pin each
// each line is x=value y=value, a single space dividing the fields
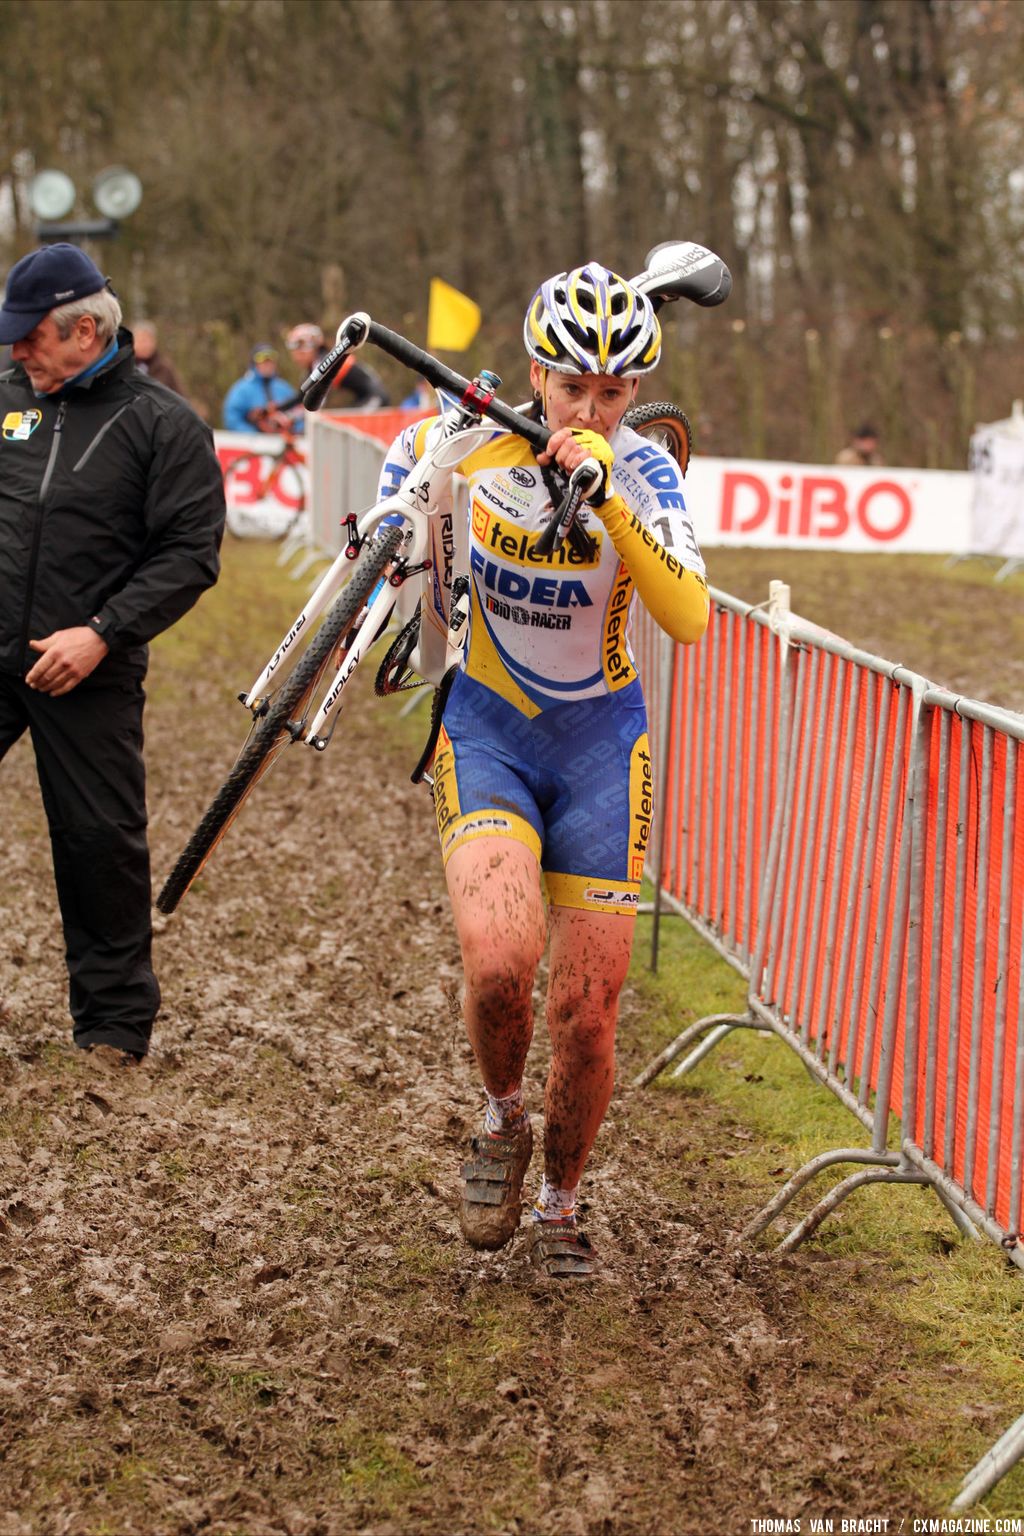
x=111 y=506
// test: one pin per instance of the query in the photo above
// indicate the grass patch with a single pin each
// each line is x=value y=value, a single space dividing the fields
x=954 y=1307
x=378 y=1466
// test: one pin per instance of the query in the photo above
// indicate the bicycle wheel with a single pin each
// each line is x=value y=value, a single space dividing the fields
x=664 y=424
x=282 y=723
x=287 y=483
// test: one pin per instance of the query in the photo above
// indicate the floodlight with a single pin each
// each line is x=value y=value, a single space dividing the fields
x=51 y=195
x=117 y=192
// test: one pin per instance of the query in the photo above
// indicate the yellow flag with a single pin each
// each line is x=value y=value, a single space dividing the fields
x=452 y=319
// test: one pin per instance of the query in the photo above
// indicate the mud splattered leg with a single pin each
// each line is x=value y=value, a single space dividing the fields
x=589 y=960
x=494 y=885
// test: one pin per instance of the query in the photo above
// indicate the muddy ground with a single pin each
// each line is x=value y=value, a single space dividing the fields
x=233 y=1292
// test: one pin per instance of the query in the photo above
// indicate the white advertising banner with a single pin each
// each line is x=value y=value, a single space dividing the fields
x=266 y=482
x=997 y=472
x=741 y=502
x=752 y=502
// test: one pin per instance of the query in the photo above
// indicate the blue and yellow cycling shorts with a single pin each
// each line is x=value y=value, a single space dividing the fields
x=573 y=784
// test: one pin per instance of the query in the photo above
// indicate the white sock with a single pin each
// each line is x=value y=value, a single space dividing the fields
x=502 y=1113
x=554 y=1204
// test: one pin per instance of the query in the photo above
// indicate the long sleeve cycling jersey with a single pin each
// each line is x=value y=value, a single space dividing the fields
x=551 y=630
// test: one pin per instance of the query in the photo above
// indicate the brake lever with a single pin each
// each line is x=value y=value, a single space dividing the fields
x=351 y=334
x=582 y=481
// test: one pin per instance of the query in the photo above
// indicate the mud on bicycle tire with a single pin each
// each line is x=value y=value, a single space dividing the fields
x=272 y=730
x=666 y=424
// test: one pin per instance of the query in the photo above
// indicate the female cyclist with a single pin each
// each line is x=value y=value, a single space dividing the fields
x=542 y=776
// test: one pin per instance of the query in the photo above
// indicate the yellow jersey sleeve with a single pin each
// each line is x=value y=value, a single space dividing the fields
x=676 y=598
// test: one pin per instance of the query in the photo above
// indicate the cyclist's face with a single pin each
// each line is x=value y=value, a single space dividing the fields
x=596 y=401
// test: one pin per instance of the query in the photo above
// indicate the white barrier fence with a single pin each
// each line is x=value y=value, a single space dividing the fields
x=747 y=503
x=344 y=468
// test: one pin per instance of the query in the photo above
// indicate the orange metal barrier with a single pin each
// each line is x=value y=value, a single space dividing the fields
x=964 y=1115
x=382 y=425
x=886 y=941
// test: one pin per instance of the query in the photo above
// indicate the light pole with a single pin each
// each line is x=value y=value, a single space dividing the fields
x=116 y=192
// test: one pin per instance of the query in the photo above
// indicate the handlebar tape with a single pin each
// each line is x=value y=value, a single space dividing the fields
x=445 y=378
x=360 y=329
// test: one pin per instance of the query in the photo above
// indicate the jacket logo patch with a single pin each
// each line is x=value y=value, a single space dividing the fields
x=18 y=425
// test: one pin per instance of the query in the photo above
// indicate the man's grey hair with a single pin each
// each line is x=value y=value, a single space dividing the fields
x=103 y=307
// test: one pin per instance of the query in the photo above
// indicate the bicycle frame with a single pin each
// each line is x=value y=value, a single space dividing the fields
x=673 y=270
x=430 y=552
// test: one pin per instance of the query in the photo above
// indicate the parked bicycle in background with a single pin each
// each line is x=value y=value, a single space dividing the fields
x=265 y=487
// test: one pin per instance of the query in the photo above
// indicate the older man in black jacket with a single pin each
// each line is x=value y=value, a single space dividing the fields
x=111 y=515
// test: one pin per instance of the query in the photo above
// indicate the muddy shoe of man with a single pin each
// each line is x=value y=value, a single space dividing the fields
x=492 y=1185
x=111 y=1059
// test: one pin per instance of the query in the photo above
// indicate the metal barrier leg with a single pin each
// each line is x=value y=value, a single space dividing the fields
x=297 y=539
x=813 y=1220
x=963 y=1223
x=721 y=1024
x=995 y=1463
x=414 y=701
x=810 y=1170
x=708 y=1044
x=309 y=558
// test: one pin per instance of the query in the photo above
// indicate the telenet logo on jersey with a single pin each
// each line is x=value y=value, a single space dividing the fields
x=516 y=546
x=19 y=425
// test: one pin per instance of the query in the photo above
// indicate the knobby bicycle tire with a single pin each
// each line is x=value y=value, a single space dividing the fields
x=272 y=732
x=664 y=424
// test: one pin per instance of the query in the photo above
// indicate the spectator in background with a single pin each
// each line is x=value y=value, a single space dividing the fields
x=356 y=387
x=108 y=537
x=862 y=448
x=249 y=403
x=148 y=358
x=422 y=398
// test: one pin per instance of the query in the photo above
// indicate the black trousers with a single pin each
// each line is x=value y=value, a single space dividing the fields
x=88 y=747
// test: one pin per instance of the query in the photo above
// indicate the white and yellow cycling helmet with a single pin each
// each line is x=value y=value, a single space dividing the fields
x=591 y=320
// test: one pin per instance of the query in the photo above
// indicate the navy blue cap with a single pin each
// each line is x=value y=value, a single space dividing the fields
x=43 y=280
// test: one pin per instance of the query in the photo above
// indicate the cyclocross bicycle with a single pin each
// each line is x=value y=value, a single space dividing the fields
x=407 y=555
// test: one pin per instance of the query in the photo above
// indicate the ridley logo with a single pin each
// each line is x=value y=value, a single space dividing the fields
x=814 y=506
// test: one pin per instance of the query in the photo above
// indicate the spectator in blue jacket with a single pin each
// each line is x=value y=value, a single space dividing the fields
x=251 y=398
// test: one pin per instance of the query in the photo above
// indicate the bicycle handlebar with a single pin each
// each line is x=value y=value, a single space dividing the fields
x=359 y=329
